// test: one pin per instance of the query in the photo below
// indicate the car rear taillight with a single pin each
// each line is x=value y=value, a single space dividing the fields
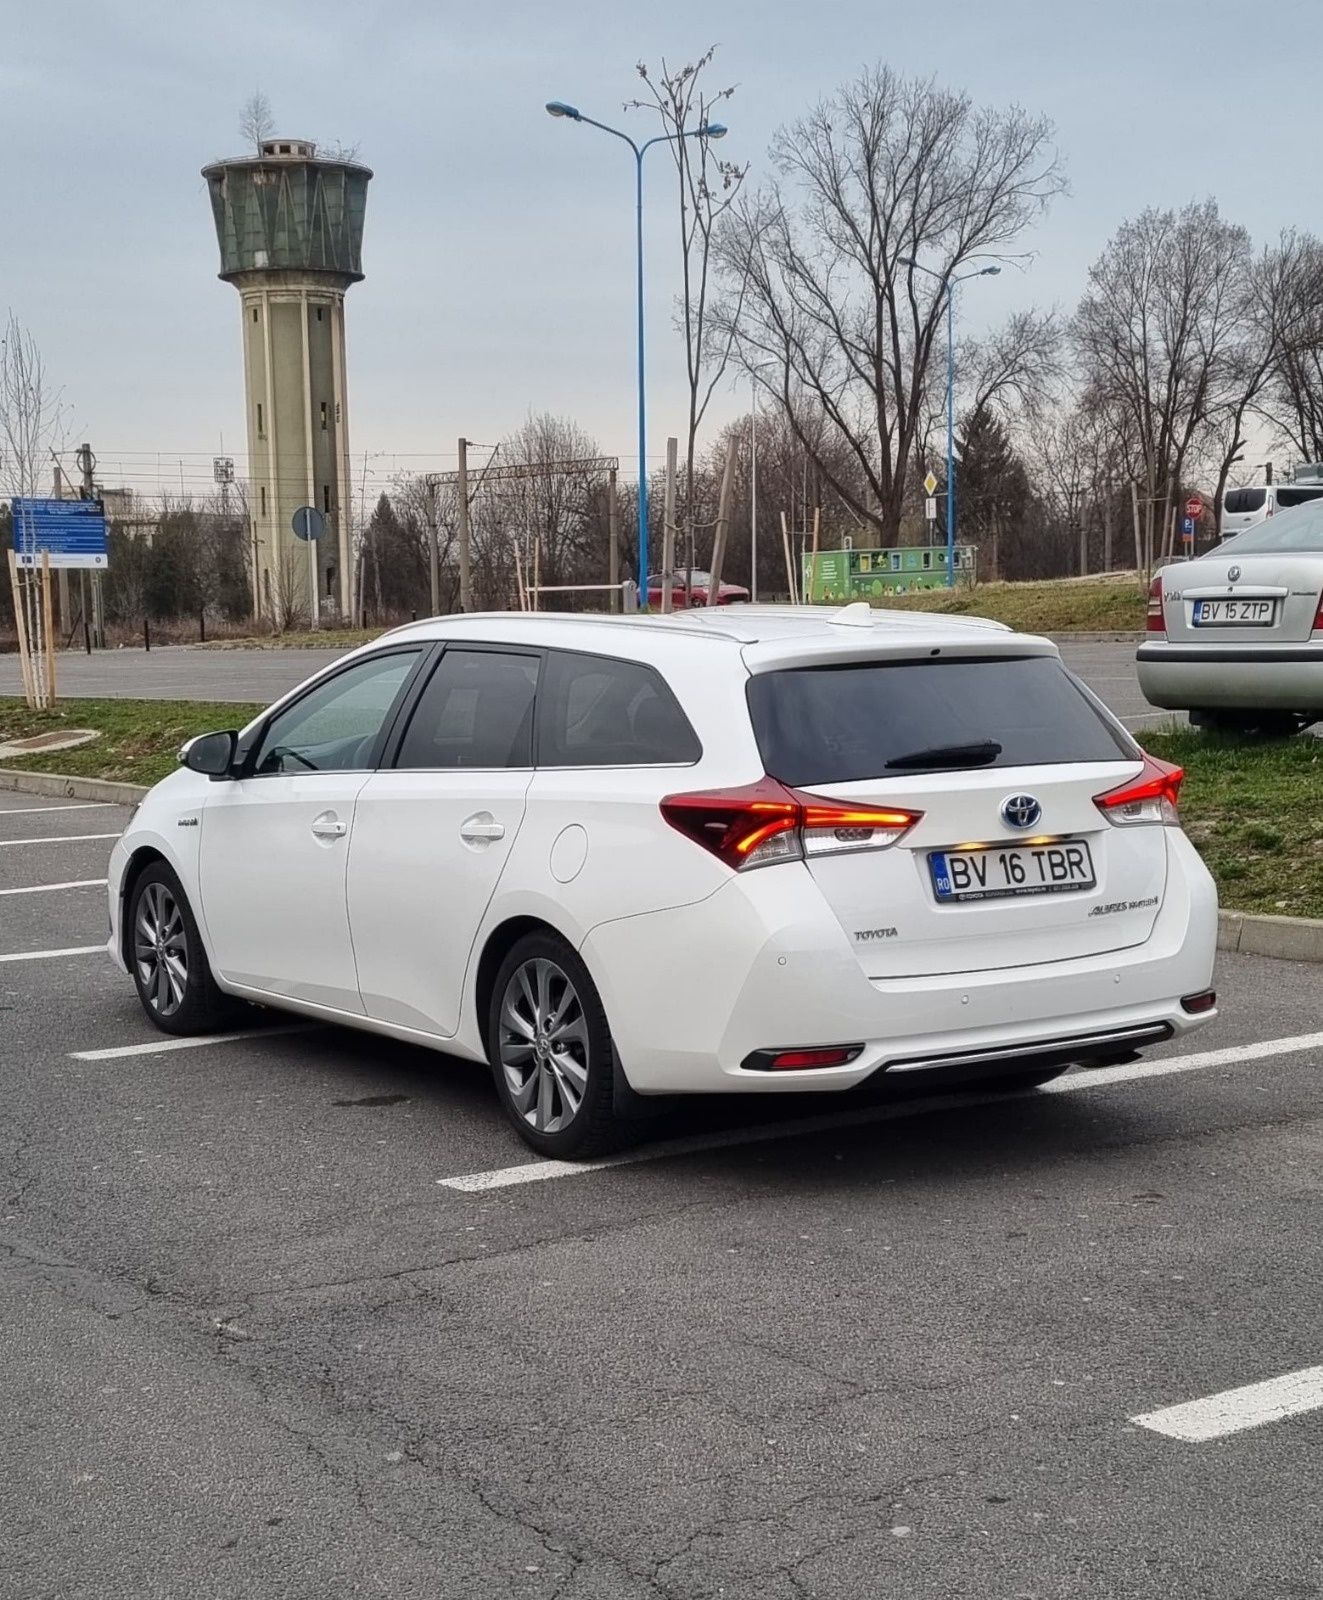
x=1153 y=622
x=1151 y=797
x=1318 y=616
x=765 y=822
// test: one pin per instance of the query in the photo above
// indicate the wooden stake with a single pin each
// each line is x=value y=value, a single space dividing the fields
x=723 y=520
x=46 y=600
x=790 y=561
x=21 y=625
x=519 y=578
x=668 y=529
x=813 y=563
x=613 y=541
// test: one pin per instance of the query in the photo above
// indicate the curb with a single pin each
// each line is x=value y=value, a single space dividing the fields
x=1283 y=938
x=1132 y=637
x=54 y=783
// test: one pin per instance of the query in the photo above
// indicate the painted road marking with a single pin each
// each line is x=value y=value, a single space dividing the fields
x=59 y=838
x=540 y=1171
x=46 y=955
x=51 y=888
x=1234 y=1410
x=32 y=811
x=156 y=1047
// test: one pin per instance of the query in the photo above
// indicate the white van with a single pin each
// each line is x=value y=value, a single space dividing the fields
x=1242 y=508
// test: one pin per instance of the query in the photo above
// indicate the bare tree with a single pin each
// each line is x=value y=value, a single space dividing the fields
x=33 y=415
x=888 y=170
x=1292 y=399
x=553 y=514
x=1157 y=334
x=1280 y=330
x=256 y=122
x=708 y=186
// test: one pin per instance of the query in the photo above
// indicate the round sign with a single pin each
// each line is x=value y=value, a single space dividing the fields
x=1194 y=507
x=308 y=523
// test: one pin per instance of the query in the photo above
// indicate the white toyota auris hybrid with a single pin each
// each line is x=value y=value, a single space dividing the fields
x=775 y=850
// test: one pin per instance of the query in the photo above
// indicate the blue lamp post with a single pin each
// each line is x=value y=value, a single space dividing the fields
x=709 y=130
x=948 y=285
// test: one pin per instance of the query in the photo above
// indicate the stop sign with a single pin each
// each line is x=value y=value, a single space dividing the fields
x=1194 y=507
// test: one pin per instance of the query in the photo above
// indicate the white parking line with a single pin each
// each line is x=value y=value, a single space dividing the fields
x=32 y=811
x=1234 y=1410
x=51 y=888
x=47 y=955
x=156 y=1047
x=59 y=838
x=540 y=1171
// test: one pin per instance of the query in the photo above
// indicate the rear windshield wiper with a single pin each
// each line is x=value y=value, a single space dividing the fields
x=950 y=755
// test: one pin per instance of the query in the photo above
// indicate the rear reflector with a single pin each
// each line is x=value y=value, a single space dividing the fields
x=1195 y=1003
x=762 y=823
x=1151 y=797
x=1153 y=622
x=834 y=1055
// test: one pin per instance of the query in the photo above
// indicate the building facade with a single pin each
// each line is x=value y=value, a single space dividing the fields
x=290 y=228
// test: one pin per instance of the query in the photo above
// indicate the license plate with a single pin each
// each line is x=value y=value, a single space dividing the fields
x=995 y=874
x=1234 y=613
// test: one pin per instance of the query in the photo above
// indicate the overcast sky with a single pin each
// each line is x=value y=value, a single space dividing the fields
x=498 y=248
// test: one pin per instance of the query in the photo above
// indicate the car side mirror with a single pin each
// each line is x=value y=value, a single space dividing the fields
x=211 y=754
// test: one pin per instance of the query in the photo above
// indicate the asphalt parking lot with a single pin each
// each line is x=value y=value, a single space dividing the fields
x=182 y=673
x=294 y=1314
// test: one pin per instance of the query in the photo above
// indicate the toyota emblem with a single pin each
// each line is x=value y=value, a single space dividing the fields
x=1020 y=811
x=1232 y=574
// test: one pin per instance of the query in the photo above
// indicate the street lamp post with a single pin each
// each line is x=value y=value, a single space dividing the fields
x=709 y=130
x=948 y=285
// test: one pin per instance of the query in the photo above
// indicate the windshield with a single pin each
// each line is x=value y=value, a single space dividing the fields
x=884 y=718
x=1299 y=529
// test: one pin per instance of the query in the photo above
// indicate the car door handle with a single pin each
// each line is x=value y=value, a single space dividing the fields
x=481 y=829
x=328 y=827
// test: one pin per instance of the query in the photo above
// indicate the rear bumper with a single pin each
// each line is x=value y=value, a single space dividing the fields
x=763 y=963
x=1180 y=677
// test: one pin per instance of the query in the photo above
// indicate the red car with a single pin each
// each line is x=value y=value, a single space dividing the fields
x=728 y=594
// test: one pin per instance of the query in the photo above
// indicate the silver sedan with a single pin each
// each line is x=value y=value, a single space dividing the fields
x=1236 y=637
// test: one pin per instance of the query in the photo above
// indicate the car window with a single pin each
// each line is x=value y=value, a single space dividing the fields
x=476 y=711
x=1240 y=502
x=600 y=712
x=1298 y=496
x=881 y=719
x=334 y=727
x=1299 y=529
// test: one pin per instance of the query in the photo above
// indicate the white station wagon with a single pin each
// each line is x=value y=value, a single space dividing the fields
x=748 y=852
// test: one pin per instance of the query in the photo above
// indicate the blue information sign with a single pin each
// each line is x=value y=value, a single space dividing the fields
x=72 y=531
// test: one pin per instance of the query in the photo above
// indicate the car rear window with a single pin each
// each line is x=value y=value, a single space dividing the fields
x=1240 y=502
x=1299 y=529
x=839 y=724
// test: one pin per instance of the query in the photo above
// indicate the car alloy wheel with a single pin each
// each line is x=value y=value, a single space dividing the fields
x=543 y=1045
x=160 y=950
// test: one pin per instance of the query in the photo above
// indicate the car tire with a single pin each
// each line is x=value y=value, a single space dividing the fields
x=167 y=959
x=549 y=1045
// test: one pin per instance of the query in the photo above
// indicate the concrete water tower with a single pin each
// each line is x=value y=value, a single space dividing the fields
x=290 y=227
